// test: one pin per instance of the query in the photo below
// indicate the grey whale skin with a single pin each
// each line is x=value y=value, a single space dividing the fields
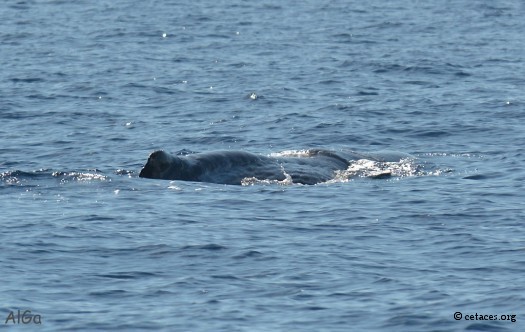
x=231 y=167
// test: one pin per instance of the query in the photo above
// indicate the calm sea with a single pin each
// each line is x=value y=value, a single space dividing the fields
x=88 y=89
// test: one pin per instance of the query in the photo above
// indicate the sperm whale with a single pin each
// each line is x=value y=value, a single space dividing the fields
x=231 y=167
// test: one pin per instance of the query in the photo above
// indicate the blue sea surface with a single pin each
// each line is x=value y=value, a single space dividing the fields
x=88 y=89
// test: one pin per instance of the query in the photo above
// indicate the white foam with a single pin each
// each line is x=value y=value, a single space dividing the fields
x=253 y=181
x=291 y=153
x=364 y=168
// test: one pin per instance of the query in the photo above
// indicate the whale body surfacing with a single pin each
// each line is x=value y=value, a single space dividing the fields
x=232 y=167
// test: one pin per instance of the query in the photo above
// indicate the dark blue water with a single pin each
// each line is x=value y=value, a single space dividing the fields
x=89 y=88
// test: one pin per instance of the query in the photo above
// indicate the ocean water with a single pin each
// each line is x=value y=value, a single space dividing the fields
x=89 y=89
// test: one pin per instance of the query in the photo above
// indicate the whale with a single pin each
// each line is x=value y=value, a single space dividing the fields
x=307 y=167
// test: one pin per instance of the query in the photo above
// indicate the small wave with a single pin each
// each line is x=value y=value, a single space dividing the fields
x=23 y=178
x=477 y=177
x=209 y=246
x=126 y=275
x=27 y=80
x=18 y=177
x=79 y=176
x=124 y=172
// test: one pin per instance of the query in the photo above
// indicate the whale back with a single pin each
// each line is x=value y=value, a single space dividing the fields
x=231 y=167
